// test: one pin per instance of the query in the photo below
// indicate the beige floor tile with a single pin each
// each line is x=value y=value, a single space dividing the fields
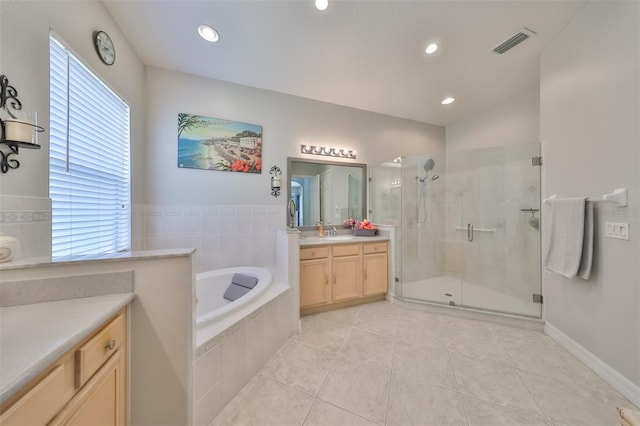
x=344 y=316
x=417 y=402
x=421 y=362
x=367 y=346
x=270 y=403
x=453 y=324
x=323 y=414
x=505 y=332
x=478 y=345
x=381 y=318
x=552 y=362
x=570 y=403
x=300 y=366
x=482 y=413
x=424 y=331
x=359 y=387
x=228 y=409
x=323 y=334
x=493 y=382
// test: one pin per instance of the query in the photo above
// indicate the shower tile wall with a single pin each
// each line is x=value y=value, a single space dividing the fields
x=420 y=240
x=224 y=235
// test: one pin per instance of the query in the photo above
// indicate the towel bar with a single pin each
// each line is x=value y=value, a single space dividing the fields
x=617 y=197
x=460 y=228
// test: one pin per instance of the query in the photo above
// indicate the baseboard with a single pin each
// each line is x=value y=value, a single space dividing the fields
x=626 y=387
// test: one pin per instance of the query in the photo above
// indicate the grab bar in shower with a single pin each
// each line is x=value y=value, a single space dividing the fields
x=491 y=230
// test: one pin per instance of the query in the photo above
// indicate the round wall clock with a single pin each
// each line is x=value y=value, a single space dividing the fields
x=104 y=47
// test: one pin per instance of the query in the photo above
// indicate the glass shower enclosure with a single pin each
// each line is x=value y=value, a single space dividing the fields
x=467 y=231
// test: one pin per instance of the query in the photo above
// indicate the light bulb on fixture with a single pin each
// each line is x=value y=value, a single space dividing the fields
x=208 y=33
x=322 y=4
x=448 y=100
x=431 y=48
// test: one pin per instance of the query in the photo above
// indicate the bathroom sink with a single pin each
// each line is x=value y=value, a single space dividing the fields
x=340 y=238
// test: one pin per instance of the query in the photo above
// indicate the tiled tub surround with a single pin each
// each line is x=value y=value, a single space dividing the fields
x=28 y=219
x=224 y=235
x=230 y=353
x=381 y=364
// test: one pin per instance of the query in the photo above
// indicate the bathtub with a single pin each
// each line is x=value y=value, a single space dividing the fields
x=210 y=286
x=214 y=315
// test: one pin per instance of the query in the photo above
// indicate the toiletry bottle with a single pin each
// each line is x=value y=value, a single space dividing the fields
x=320 y=230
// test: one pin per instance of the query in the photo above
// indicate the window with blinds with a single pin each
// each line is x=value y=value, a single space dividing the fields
x=88 y=162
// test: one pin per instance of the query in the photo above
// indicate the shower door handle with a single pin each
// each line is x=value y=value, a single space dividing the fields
x=469 y=232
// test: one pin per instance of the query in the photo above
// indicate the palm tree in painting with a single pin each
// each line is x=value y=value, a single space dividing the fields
x=186 y=121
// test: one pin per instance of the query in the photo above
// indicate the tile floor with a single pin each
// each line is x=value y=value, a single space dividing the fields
x=381 y=364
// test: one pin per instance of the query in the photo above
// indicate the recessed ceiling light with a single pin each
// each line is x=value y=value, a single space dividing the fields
x=208 y=33
x=447 y=101
x=322 y=4
x=431 y=48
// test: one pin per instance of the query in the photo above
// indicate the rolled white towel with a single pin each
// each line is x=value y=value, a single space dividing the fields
x=628 y=417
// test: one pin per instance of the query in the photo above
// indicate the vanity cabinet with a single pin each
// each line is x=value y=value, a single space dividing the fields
x=314 y=276
x=346 y=267
x=86 y=386
x=375 y=269
x=356 y=272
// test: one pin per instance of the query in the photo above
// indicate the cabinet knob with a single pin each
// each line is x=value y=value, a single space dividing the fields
x=313 y=253
x=111 y=345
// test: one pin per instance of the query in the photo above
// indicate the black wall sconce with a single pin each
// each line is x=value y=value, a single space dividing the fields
x=275 y=180
x=17 y=130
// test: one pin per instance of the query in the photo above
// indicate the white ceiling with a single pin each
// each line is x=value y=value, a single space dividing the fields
x=362 y=54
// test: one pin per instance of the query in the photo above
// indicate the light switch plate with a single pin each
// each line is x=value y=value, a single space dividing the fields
x=617 y=230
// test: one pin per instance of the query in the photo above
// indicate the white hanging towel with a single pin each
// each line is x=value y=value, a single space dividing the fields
x=569 y=248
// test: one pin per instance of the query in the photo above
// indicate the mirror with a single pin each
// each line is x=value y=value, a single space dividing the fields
x=325 y=191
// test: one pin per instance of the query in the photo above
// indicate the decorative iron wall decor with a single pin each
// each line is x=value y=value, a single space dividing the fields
x=216 y=144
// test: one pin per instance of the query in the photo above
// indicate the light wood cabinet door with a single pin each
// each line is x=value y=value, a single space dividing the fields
x=346 y=277
x=314 y=282
x=376 y=275
x=101 y=402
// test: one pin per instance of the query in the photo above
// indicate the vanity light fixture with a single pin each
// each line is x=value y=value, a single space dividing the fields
x=448 y=100
x=431 y=49
x=327 y=151
x=208 y=33
x=322 y=4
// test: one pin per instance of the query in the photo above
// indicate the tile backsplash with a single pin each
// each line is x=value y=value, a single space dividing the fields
x=28 y=219
x=223 y=235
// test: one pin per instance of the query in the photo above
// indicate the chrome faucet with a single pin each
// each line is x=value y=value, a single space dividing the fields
x=333 y=231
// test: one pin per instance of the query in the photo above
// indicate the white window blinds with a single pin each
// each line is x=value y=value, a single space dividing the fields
x=88 y=161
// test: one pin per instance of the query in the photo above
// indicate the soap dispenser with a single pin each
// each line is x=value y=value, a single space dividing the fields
x=320 y=230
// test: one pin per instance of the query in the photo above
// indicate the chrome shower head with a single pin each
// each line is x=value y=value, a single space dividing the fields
x=429 y=164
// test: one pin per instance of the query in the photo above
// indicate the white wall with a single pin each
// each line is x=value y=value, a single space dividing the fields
x=25 y=209
x=589 y=102
x=513 y=122
x=287 y=122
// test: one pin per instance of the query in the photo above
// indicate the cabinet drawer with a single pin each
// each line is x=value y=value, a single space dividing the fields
x=346 y=250
x=314 y=252
x=41 y=403
x=94 y=353
x=375 y=248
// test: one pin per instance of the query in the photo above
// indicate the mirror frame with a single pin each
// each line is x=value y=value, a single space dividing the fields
x=365 y=181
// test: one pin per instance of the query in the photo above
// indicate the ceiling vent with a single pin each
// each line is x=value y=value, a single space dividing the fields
x=514 y=40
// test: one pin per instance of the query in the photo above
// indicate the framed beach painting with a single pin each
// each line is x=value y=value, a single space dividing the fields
x=216 y=144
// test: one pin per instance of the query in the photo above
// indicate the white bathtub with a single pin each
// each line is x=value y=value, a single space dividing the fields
x=212 y=307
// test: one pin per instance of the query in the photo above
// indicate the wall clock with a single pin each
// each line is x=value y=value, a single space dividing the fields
x=104 y=47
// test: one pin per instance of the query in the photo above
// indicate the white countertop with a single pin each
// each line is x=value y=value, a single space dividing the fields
x=309 y=241
x=32 y=337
